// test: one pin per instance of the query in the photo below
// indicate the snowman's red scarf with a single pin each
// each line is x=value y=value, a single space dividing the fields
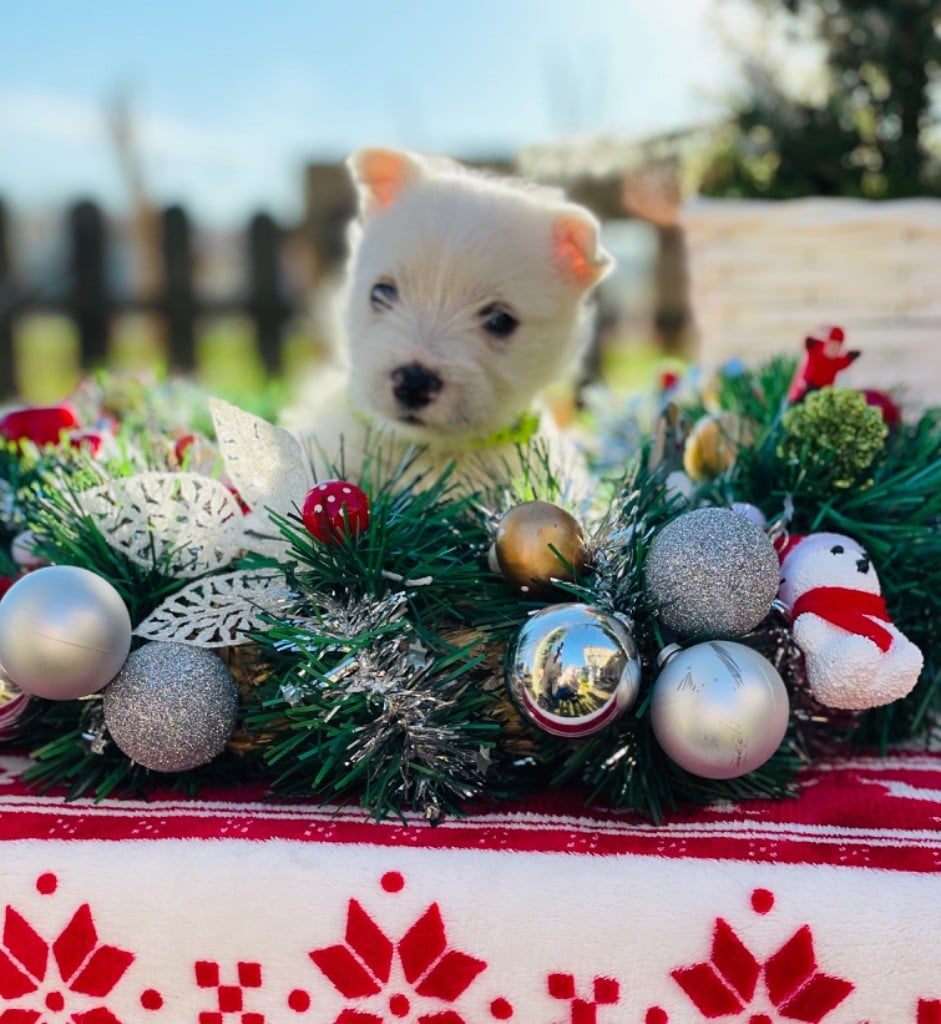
x=848 y=609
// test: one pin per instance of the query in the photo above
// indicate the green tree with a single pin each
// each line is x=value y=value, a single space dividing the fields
x=867 y=131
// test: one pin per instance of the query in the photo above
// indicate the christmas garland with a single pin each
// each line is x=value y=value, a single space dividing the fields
x=755 y=584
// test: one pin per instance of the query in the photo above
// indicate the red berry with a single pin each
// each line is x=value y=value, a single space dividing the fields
x=330 y=506
x=891 y=413
x=42 y=425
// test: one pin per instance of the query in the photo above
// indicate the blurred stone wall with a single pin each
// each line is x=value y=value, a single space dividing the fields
x=763 y=274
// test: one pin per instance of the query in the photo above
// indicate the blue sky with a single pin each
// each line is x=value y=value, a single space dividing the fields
x=232 y=98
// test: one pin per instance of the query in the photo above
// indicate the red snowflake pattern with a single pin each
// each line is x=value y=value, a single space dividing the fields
x=368 y=964
x=230 y=997
x=727 y=984
x=582 y=1010
x=87 y=971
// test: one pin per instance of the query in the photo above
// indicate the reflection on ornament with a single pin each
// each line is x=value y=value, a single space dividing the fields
x=714 y=443
x=711 y=571
x=719 y=709
x=573 y=670
x=13 y=702
x=538 y=542
x=23 y=551
x=64 y=632
x=172 y=707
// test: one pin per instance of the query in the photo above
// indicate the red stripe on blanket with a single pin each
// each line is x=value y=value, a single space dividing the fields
x=871 y=813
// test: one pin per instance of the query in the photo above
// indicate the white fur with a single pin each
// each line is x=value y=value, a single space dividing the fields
x=844 y=670
x=454 y=243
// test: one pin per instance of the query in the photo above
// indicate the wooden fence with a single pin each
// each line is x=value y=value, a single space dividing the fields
x=88 y=301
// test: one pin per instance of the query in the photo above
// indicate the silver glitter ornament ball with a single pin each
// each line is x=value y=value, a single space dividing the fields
x=573 y=669
x=712 y=571
x=172 y=707
x=64 y=632
x=719 y=709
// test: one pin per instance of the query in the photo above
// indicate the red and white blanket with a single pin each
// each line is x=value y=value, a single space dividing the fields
x=234 y=910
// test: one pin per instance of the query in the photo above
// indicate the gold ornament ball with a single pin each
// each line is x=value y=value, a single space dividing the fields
x=528 y=537
x=714 y=443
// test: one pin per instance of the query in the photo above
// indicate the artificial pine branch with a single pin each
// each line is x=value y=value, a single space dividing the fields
x=68 y=743
x=894 y=514
x=367 y=695
x=357 y=705
x=384 y=683
x=65 y=535
x=72 y=753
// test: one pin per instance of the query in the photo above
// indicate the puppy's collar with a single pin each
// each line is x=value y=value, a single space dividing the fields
x=521 y=431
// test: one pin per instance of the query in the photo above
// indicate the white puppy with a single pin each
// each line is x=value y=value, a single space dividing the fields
x=465 y=297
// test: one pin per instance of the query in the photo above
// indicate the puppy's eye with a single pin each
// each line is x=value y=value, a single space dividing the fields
x=837 y=549
x=383 y=295
x=498 y=322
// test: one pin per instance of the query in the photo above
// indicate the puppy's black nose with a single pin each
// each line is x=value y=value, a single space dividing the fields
x=414 y=385
x=862 y=564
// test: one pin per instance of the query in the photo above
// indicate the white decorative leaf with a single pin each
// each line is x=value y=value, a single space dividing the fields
x=218 y=611
x=188 y=521
x=265 y=463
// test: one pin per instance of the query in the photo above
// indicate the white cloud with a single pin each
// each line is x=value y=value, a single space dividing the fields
x=58 y=147
x=44 y=116
x=48 y=117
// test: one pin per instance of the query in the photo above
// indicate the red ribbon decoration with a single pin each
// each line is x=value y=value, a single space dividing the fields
x=848 y=609
x=42 y=424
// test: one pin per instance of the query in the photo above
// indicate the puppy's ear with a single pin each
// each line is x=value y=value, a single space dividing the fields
x=576 y=248
x=380 y=175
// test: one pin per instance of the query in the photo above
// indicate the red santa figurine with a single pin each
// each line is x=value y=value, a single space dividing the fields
x=823 y=360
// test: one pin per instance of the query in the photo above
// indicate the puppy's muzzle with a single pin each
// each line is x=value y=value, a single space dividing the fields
x=414 y=385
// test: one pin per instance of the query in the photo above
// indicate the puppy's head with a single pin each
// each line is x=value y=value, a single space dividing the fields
x=465 y=295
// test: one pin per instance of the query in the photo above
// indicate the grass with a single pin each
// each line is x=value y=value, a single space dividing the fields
x=634 y=364
x=47 y=356
x=228 y=364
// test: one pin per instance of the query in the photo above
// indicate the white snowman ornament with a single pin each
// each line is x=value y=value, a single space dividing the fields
x=854 y=655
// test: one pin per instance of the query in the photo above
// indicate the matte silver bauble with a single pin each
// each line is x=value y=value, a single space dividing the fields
x=573 y=670
x=719 y=709
x=64 y=632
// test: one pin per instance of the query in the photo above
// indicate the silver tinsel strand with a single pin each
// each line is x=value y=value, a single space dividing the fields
x=387 y=663
x=381 y=655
